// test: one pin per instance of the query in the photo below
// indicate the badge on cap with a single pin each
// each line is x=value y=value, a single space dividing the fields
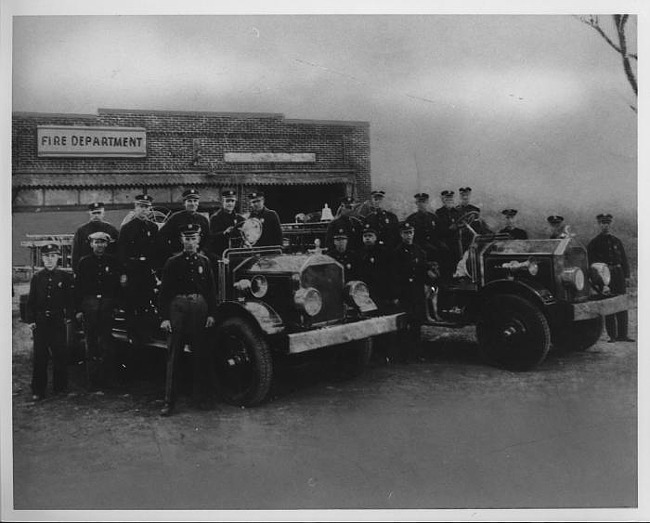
x=191 y=194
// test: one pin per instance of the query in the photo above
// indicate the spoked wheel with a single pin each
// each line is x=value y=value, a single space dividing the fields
x=513 y=333
x=244 y=367
x=580 y=335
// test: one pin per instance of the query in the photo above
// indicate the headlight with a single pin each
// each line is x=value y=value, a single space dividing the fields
x=259 y=286
x=358 y=295
x=574 y=277
x=599 y=274
x=309 y=300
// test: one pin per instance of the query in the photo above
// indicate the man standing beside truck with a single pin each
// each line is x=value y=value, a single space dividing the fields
x=188 y=300
x=50 y=307
x=223 y=224
x=607 y=248
x=97 y=223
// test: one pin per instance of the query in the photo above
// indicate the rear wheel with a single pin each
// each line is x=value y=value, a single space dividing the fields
x=244 y=367
x=579 y=335
x=513 y=333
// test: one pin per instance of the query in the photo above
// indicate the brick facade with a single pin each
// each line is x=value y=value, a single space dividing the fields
x=187 y=149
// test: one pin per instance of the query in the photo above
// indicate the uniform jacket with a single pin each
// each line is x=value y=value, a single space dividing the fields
x=426 y=233
x=98 y=276
x=81 y=245
x=169 y=239
x=219 y=222
x=409 y=267
x=375 y=270
x=271 y=227
x=350 y=261
x=607 y=248
x=51 y=291
x=515 y=233
x=446 y=220
x=187 y=273
x=137 y=240
x=387 y=226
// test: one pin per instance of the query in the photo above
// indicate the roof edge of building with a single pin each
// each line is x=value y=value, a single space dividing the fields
x=103 y=110
x=28 y=114
x=350 y=123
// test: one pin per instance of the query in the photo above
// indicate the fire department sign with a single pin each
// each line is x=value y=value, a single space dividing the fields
x=80 y=141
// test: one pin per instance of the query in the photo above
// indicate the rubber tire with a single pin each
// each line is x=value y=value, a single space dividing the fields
x=579 y=335
x=239 y=337
x=525 y=350
x=351 y=359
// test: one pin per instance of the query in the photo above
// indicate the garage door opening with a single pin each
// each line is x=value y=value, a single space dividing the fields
x=288 y=201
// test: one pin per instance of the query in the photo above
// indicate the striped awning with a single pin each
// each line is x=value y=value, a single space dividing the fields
x=165 y=179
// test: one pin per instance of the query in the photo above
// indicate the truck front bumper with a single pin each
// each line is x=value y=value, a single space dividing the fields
x=344 y=333
x=604 y=307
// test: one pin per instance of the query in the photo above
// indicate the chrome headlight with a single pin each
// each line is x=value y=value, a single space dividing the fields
x=309 y=300
x=358 y=295
x=259 y=286
x=573 y=277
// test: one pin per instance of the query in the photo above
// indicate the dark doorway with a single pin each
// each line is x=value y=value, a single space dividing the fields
x=290 y=200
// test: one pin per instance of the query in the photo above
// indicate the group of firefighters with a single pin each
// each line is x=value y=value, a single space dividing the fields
x=177 y=261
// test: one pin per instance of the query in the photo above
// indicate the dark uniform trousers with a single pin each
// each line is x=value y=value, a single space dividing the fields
x=98 y=288
x=187 y=298
x=410 y=266
x=187 y=315
x=50 y=302
x=607 y=248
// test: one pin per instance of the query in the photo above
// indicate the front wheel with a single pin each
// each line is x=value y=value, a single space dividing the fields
x=580 y=335
x=243 y=363
x=513 y=333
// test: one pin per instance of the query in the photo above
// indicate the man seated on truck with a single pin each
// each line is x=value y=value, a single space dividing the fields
x=344 y=255
x=224 y=224
x=271 y=226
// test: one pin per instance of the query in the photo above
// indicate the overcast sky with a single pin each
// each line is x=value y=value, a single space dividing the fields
x=524 y=109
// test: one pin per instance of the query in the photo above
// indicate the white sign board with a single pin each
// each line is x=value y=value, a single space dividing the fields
x=269 y=157
x=79 y=141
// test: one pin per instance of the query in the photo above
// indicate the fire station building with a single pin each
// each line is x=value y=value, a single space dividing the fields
x=63 y=162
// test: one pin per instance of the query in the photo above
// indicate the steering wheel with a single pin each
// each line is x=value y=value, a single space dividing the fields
x=467 y=218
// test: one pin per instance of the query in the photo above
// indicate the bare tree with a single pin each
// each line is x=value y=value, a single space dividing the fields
x=620 y=43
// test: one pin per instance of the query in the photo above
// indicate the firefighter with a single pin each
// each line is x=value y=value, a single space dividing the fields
x=515 y=232
x=374 y=267
x=271 y=227
x=346 y=220
x=188 y=301
x=410 y=276
x=97 y=291
x=169 y=242
x=385 y=223
x=558 y=229
x=446 y=218
x=344 y=255
x=464 y=208
x=607 y=248
x=223 y=224
x=96 y=223
x=50 y=308
x=136 y=251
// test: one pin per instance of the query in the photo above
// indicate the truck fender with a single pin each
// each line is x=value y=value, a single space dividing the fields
x=531 y=290
x=259 y=313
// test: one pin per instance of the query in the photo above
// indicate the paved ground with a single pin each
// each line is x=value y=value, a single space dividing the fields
x=446 y=433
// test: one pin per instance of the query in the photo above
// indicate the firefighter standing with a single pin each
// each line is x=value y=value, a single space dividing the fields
x=384 y=223
x=446 y=218
x=344 y=219
x=223 y=224
x=50 y=307
x=374 y=267
x=410 y=274
x=344 y=255
x=168 y=239
x=271 y=227
x=97 y=223
x=607 y=248
x=464 y=208
x=136 y=250
x=188 y=301
x=97 y=289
